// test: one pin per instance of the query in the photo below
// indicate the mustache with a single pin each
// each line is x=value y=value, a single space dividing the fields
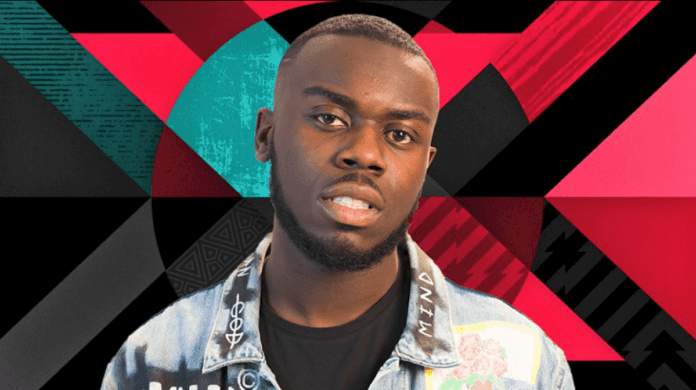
x=358 y=178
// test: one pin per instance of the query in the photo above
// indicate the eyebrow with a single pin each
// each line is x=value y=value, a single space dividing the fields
x=350 y=104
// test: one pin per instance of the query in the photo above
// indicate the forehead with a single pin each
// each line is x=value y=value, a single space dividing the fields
x=373 y=72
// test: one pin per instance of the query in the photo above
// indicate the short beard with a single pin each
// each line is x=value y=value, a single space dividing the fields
x=335 y=253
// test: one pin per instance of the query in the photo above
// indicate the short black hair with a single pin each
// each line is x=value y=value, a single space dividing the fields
x=359 y=25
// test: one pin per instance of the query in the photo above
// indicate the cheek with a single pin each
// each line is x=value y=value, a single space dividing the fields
x=304 y=154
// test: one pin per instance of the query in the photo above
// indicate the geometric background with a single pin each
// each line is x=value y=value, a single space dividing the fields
x=564 y=182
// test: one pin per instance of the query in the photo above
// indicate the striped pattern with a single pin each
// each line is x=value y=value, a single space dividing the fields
x=561 y=45
x=82 y=89
x=466 y=252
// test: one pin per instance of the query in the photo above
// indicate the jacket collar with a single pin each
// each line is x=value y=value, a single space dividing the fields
x=427 y=340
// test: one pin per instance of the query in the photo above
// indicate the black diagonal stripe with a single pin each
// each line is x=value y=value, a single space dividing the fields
x=588 y=283
x=612 y=303
x=105 y=16
x=623 y=314
x=635 y=325
x=491 y=16
x=593 y=107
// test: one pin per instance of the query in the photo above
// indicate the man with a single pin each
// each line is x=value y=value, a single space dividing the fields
x=338 y=296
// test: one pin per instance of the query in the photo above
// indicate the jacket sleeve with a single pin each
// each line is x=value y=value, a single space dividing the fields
x=554 y=371
x=115 y=373
x=127 y=369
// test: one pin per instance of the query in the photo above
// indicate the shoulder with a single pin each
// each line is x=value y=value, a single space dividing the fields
x=471 y=306
x=177 y=334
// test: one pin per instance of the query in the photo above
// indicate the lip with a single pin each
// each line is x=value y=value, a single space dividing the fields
x=346 y=215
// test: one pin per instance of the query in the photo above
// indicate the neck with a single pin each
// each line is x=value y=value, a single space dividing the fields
x=306 y=293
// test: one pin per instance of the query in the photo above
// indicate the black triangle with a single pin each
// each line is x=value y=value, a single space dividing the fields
x=44 y=154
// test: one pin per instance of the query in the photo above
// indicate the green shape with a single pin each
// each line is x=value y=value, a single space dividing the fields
x=472 y=378
x=47 y=56
x=216 y=113
x=446 y=385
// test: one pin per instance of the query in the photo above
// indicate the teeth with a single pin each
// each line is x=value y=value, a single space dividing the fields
x=352 y=203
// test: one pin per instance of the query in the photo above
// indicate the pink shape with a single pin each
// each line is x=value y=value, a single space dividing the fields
x=577 y=340
x=154 y=67
x=458 y=58
x=652 y=240
x=651 y=154
x=269 y=8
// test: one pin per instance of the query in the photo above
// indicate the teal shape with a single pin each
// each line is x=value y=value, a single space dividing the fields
x=215 y=114
x=66 y=74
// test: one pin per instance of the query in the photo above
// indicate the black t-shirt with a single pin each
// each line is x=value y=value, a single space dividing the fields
x=342 y=357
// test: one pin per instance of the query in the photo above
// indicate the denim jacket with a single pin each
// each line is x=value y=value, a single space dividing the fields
x=455 y=338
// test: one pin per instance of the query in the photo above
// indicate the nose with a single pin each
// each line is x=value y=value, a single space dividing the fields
x=362 y=149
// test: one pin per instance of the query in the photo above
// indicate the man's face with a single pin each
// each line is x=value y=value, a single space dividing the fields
x=350 y=138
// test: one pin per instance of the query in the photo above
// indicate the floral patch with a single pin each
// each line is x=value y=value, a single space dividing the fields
x=483 y=363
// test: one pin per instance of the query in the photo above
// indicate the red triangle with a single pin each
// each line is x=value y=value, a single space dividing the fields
x=458 y=58
x=577 y=340
x=204 y=26
x=651 y=154
x=650 y=239
x=266 y=9
x=180 y=172
x=154 y=67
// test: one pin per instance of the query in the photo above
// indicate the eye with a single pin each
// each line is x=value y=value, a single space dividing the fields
x=400 y=137
x=330 y=120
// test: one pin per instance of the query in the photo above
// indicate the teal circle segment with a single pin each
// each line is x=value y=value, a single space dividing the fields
x=215 y=114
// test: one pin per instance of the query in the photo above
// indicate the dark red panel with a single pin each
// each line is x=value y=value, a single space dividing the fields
x=180 y=172
x=204 y=26
x=514 y=221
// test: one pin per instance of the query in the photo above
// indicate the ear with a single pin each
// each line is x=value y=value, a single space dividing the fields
x=433 y=151
x=263 y=134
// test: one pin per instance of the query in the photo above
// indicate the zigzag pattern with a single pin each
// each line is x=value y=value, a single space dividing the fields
x=650 y=341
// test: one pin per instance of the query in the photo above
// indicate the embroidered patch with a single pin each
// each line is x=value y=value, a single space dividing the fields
x=489 y=352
